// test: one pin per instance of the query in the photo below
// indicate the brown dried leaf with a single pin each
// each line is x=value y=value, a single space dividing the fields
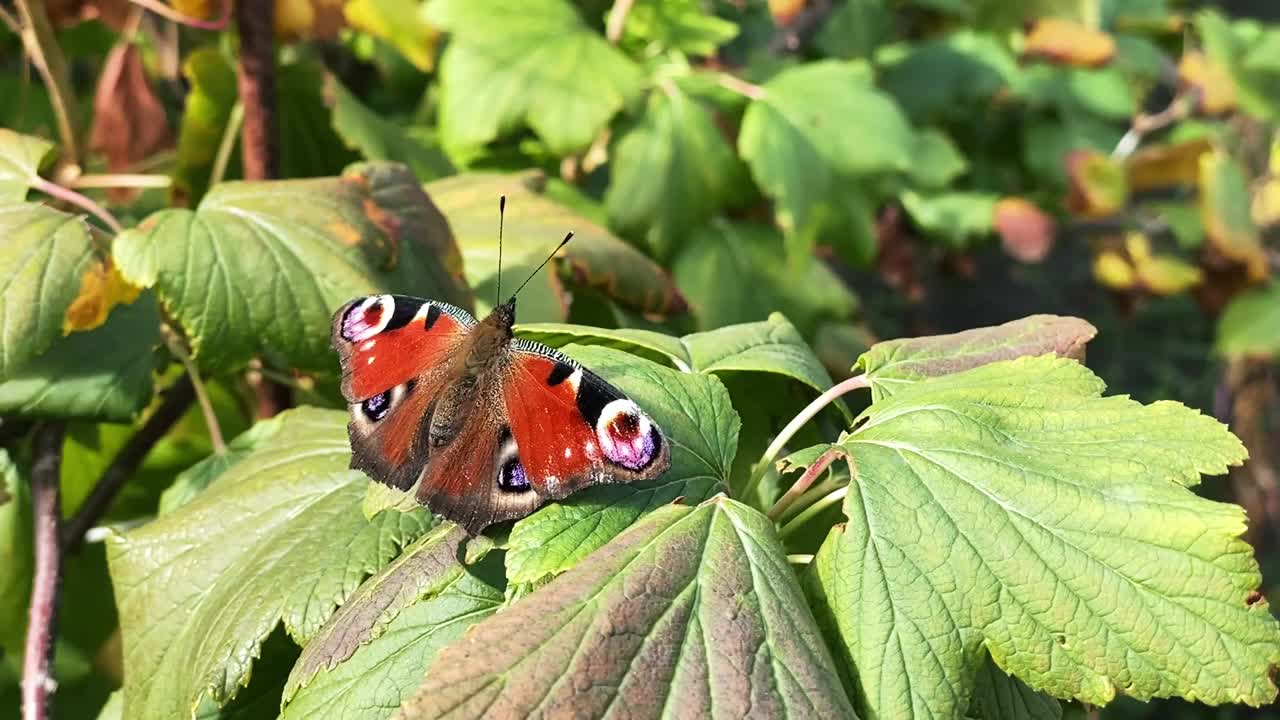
x=1026 y=232
x=129 y=123
x=1066 y=42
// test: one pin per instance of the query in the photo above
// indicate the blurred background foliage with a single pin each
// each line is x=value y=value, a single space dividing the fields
x=871 y=168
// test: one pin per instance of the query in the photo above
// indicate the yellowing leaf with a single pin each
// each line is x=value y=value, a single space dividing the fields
x=1226 y=215
x=1164 y=166
x=202 y=9
x=1217 y=89
x=1111 y=269
x=308 y=19
x=399 y=22
x=1167 y=275
x=1098 y=184
x=1066 y=42
x=102 y=287
x=1266 y=201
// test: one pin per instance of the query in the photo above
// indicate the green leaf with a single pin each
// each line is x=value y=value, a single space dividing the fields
x=955 y=218
x=370 y=656
x=101 y=374
x=309 y=145
x=1249 y=55
x=936 y=160
x=893 y=365
x=400 y=23
x=16 y=558
x=806 y=141
x=191 y=482
x=683 y=25
x=1250 y=325
x=855 y=29
x=44 y=255
x=21 y=157
x=950 y=76
x=278 y=258
x=205 y=115
x=379 y=139
x=695 y=413
x=693 y=608
x=671 y=171
x=535 y=224
x=760 y=282
x=548 y=71
x=997 y=696
x=278 y=538
x=1011 y=508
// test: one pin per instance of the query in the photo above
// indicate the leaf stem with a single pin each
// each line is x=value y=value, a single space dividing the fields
x=37 y=665
x=121 y=180
x=617 y=20
x=42 y=46
x=808 y=513
x=177 y=398
x=230 y=134
x=83 y=202
x=168 y=13
x=175 y=345
x=797 y=489
x=742 y=87
x=856 y=382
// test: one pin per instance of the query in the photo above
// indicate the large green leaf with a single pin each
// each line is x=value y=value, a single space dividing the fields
x=896 y=364
x=671 y=171
x=693 y=611
x=535 y=224
x=684 y=25
x=695 y=413
x=20 y=159
x=380 y=139
x=43 y=257
x=997 y=696
x=192 y=481
x=816 y=130
x=546 y=70
x=279 y=537
x=737 y=272
x=1251 y=323
x=370 y=656
x=277 y=258
x=101 y=374
x=1011 y=509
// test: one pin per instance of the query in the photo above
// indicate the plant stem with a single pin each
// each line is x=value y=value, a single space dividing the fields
x=229 y=136
x=53 y=189
x=122 y=180
x=740 y=86
x=617 y=20
x=797 y=489
x=807 y=514
x=37 y=37
x=37 y=664
x=168 y=13
x=177 y=398
x=771 y=453
x=815 y=493
x=174 y=343
x=256 y=77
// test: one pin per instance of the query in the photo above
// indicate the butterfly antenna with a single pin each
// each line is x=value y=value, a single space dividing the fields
x=502 y=211
x=563 y=242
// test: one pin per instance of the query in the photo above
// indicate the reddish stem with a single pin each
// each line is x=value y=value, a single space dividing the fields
x=37 y=664
x=818 y=467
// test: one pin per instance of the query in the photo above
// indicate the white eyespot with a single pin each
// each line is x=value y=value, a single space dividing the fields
x=593 y=450
x=368 y=344
x=574 y=379
x=568 y=453
x=367 y=319
x=370 y=360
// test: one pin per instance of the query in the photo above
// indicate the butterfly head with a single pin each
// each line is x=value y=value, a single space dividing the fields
x=503 y=317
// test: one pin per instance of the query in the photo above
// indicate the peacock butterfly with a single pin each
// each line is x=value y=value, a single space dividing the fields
x=480 y=425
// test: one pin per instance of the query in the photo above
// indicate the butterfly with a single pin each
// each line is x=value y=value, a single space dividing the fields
x=480 y=425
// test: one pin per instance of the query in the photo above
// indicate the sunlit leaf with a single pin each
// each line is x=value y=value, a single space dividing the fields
x=380 y=139
x=955 y=218
x=693 y=608
x=21 y=157
x=1250 y=325
x=1012 y=509
x=1066 y=42
x=399 y=22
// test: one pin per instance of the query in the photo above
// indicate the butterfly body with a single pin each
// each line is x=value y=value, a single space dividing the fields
x=481 y=426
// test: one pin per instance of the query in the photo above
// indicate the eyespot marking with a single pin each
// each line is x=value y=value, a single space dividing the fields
x=377 y=407
x=627 y=436
x=511 y=473
x=559 y=373
x=367 y=318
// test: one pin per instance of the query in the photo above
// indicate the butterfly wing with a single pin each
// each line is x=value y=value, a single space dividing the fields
x=572 y=429
x=395 y=353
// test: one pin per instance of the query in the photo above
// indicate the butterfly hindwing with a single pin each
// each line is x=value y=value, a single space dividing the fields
x=395 y=352
x=573 y=429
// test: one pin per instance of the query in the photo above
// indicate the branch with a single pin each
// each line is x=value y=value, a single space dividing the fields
x=260 y=143
x=42 y=46
x=37 y=664
x=177 y=398
x=617 y=20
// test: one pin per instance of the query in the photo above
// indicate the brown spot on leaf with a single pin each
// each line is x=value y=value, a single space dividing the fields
x=1254 y=598
x=345 y=233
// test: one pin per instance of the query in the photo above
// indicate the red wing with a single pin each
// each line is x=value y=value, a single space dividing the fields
x=394 y=351
x=571 y=428
x=386 y=340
